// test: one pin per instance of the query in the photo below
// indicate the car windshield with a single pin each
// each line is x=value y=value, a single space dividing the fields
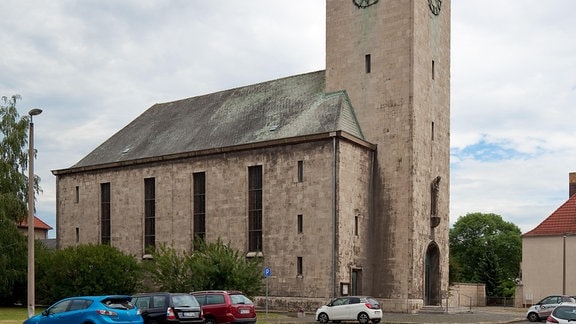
x=118 y=303
x=565 y=312
x=184 y=301
x=240 y=299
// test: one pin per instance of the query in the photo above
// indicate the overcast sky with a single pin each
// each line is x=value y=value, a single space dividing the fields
x=95 y=65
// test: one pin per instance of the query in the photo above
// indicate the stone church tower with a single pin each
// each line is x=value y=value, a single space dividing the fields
x=393 y=59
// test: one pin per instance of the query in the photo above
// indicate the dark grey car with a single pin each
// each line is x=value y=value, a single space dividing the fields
x=164 y=308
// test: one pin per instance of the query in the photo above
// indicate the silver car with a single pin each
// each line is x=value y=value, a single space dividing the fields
x=543 y=308
x=563 y=313
x=350 y=308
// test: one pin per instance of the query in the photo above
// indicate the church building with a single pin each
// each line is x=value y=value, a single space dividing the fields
x=337 y=179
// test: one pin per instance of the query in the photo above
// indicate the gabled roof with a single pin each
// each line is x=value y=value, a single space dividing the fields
x=560 y=222
x=38 y=224
x=278 y=109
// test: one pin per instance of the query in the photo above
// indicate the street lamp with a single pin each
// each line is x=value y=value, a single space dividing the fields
x=31 y=296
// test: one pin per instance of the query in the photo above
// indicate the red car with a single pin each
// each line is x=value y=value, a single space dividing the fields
x=221 y=306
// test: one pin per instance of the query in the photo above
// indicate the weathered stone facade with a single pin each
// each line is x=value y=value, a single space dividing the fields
x=319 y=198
x=372 y=133
x=393 y=60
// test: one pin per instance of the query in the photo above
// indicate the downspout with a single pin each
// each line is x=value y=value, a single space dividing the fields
x=334 y=213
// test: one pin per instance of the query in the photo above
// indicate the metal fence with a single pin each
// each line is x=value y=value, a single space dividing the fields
x=500 y=301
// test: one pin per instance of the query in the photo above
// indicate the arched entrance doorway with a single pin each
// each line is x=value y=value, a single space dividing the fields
x=432 y=276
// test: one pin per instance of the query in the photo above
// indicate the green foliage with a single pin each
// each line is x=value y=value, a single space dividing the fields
x=169 y=271
x=85 y=270
x=486 y=249
x=13 y=161
x=210 y=266
x=13 y=263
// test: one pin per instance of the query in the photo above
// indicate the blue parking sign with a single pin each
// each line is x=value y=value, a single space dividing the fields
x=267 y=272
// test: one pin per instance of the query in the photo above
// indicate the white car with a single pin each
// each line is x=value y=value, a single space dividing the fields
x=363 y=309
x=543 y=308
x=563 y=313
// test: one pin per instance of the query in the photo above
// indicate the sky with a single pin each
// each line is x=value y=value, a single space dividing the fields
x=93 y=66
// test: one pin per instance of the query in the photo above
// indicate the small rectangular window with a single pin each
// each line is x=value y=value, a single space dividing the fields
x=433 y=63
x=300 y=224
x=368 y=63
x=432 y=130
x=77 y=234
x=300 y=171
x=77 y=198
x=356 y=225
x=299 y=266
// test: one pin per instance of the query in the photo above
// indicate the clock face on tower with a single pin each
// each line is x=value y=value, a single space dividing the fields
x=364 y=3
x=435 y=6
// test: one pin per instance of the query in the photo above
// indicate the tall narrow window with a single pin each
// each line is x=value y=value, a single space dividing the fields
x=356 y=225
x=433 y=66
x=300 y=224
x=149 y=213
x=432 y=130
x=255 y=208
x=368 y=63
x=77 y=234
x=77 y=198
x=104 y=213
x=299 y=267
x=300 y=171
x=199 y=179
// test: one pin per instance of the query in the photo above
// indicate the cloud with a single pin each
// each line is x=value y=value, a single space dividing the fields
x=95 y=65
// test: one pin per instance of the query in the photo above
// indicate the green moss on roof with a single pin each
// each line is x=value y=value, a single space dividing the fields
x=283 y=108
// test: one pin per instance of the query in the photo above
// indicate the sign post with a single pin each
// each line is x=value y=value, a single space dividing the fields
x=267 y=273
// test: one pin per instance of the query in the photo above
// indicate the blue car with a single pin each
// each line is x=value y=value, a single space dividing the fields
x=90 y=309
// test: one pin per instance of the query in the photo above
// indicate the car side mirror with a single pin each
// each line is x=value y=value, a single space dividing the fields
x=45 y=313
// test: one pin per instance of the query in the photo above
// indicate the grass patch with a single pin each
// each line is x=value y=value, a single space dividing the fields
x=16 y=313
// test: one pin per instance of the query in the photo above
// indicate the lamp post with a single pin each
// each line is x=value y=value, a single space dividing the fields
x=31 y=297
x=564 y=264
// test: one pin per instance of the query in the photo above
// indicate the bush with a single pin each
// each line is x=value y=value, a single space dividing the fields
x=85 y=270
x=210 y=266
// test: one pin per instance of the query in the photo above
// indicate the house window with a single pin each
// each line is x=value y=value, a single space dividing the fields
x=300 y=171
x=299 y=267
x=149 y=213
x=368 y=63
x=77 y=197
x=300 y=224
x=199 y=179
x=255 y=208
x=104 y=213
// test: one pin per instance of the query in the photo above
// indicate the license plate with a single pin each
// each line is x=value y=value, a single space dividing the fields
x=190 y=314
x=377 y=312
x=244 y=311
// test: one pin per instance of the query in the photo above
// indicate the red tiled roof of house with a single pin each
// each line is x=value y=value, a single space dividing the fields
x=560 y=222
x=38 y=223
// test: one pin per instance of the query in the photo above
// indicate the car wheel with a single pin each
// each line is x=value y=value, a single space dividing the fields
x=209 y=320
x=533 y=317
x=323 y=318
x=376 y=321
x=363 y=318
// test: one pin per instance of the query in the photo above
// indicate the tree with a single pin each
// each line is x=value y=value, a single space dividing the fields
x=13 y=161
x=13 y=263
x=93 y=269
x=210 y=266
x=486 y=249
